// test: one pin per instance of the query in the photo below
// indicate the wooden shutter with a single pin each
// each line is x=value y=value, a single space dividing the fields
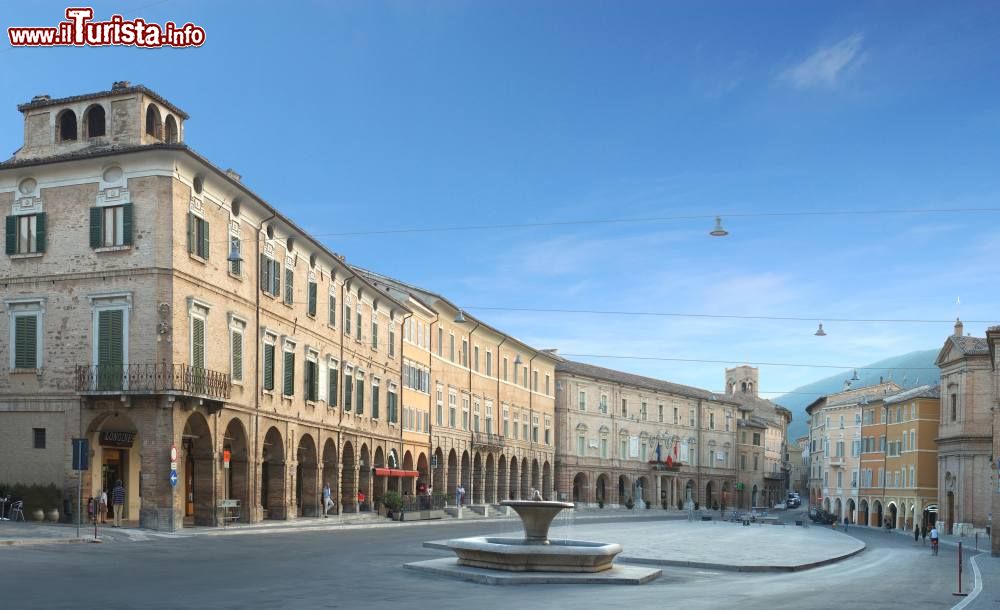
x=289 y=286
x=268 y=367
x=11 y=231
x=198 y=343
x=40 y=231
x=127 y=224
x=237 y=346
x=334 y=377
x=288 y=374
x=312 y=298
x=375 y=390
x=359 y=405
x=275 y=278
x=203 y=251
x=190 y=233
x=310 y=380
x=110 y=349
x=265 y=273
x=96 y=226
x=25 y=342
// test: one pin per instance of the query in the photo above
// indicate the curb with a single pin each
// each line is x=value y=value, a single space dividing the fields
x=976 y=589
x=41 y=541
x=738 y=568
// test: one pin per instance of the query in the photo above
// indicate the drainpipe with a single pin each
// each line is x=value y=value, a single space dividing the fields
x=430 y=427
x=254 y=484
x=399 y=399
x=697 y=462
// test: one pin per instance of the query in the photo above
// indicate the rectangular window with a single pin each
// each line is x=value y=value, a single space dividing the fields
x=547 y=387
x=235 y=245
x=440 y=344
x=348 y=389
x=954 y=407
x=392 y=340
x=604 y=403
x=289 y=286
x=756 y=438
x=375 y=397
x=198 y=344
x=623 y=448
x=534 y=428
x=581 y=443
x=465 y=353
x=534 y=381
x=359 y=394
x=583 y=400
x=288 y=375
x=489 y=418
x=475 y=358
x=269 y=367
x=347 y=319
x=390 y=404
x=332 y=321
x=624 y=407
x=198 y=239
x=642 y=411
x=374 y=333
x=333 y=390
x=675 y=415
x=112 y=226
x=452 y=409
x=451 y=347
x=38 y=437
x=465 y=413
x=312 y=380
x=504 y=369
x=270 y=275
x=311 y=300
x=25 y=341
x=489 y=364
x=711 y=421
x=604 y=448
x=237 y=355
x=357 y=327
x=26 y=234
x=506 y=421
x=475 y=417
x=660 y=410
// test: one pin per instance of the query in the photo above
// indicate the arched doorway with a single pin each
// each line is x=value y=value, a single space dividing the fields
x=199 y=472
x=502 y=484
x=951 y=513
x=272 y=468
x=423 y=476
x=348 y=486
x=115 y=443
x=467 y=477
x=709 y=498
x=642 y=492
x=838 y=510
x=330 y=472
x=850 y=511
x=624 y=490
x=491 y=480
x=893 y=515
x=601 y=490
x=726 y=499
x=580 y=487
x=512 y=487
x=863 y=513
x=307 y=497
x=879 y=516
x=930 y=516
x=364 y=478
x=409 y=483
x=477 y=495
x=753 y=496
x=547 y=481
x=379 y=482
x=452 y=475
x=536 y=479
x=439 y=484
x=689 y=493
x=525 y=480
x=236 y=481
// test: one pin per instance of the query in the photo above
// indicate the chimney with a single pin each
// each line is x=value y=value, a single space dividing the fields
x=120 y=84
x=235 y=176
x=958 y=327
x=41 y=98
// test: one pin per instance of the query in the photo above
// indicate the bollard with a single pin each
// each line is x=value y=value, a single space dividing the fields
x=960 y=594
x=977 y=541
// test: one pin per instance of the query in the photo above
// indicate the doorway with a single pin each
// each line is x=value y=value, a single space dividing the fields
x=951 y=512
x=114 y=467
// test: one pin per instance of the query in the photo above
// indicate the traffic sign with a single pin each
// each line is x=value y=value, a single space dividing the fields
x=173 y=478
x=173 y=453
x=81 y=454
x=173 y=465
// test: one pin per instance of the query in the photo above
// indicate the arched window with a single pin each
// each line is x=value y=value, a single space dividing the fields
x=154 y=125
x=170 y=129
x=93 y=121
x=66 y=126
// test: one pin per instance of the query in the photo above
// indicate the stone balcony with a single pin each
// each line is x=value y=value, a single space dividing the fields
x=153 y=379
x=488 y=440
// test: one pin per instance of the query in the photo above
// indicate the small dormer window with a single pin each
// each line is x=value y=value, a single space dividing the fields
x=67 y=126
x=170 y=129
x=93 y=121
x=154 y=124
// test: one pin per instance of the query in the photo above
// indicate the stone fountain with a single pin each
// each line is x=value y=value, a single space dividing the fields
x=535 y=552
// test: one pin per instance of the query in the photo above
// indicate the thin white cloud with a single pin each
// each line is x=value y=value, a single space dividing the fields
x=826 y=67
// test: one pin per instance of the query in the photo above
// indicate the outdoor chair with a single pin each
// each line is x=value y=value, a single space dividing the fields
x=17 y=510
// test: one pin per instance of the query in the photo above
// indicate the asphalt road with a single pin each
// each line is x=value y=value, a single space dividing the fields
x=362 y=568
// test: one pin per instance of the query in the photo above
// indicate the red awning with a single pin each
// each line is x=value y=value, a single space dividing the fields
x=392 y=472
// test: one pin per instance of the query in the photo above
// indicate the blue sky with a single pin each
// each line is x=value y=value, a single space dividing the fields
x=362 y=116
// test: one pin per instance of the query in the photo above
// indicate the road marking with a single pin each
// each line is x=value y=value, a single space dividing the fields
x=976 y=590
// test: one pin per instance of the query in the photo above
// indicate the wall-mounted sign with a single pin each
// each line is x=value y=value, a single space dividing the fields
x=117 y=439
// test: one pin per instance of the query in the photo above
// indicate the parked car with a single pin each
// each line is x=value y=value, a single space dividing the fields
x=818 y=515
x=793 y=501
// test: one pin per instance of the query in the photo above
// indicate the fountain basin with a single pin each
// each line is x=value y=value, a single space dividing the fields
x=536 y=517
x=517 y=555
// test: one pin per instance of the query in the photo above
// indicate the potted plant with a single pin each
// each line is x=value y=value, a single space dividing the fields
x=52 y=515
x=393 y=503
x=600 y=503
x=629 y=504
x=37 y=515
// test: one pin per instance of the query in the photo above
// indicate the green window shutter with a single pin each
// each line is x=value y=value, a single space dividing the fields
x=127 y=224
x=359 y=406
x=268 y=367
x=190 y=233
x=312 y=298
x=374 y=402
x=198 y=343
x=275 y=278
x=332 y=398
x=96 y=227
x=204 y=250
x=110 y=349
x=40 y=230
x=25 y=342
x=11 y=243
x=237 y=344
x=265 y=273
x=288 y=374
x=347 y=392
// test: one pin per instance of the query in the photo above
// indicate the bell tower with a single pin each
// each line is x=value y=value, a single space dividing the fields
x=742 y=380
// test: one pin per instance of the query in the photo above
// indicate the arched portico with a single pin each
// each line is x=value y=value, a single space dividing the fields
x=307 y=496
x=272 y=484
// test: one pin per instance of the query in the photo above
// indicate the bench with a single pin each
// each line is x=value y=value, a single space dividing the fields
x=230 y=510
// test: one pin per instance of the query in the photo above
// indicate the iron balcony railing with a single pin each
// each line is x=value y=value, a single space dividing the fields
x=423 y=502
x=153 y=379
x=487 y=439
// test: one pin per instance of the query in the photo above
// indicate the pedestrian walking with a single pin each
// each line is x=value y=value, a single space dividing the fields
x=923 y=534
x=916 y=533
x=102 y=506
x=459 y=494
x=327 y=499
x=118 y=501
x=846 y=521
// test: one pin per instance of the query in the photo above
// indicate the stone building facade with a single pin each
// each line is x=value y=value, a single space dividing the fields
x=965 y=435
x=156 y=302
x=490 y=399
x=993 y=344
x=627 y=437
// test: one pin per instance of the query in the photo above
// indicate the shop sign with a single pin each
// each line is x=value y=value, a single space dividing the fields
x=117 y=439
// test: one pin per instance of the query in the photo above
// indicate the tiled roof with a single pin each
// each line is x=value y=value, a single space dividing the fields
x=924 y=391
x=970 y=345
x=97 y=150
x=649 y=383
x=43 y=102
